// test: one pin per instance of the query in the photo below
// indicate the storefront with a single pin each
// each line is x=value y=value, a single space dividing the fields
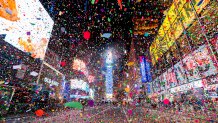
x=52 y=81
x=187 y=58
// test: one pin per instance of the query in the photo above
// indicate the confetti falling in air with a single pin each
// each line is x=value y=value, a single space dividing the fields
x=55 y=60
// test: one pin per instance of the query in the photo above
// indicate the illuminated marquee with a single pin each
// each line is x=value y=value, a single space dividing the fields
x=172 y=27
x=51 y=82
x=79 y=84
x=142 y=68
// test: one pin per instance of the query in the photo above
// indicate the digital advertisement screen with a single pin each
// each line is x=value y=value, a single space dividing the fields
x=205 y=64
x=79 y=84
x=79 y=65
x=212 y=79
x=91 y=93
x=27 y=25
x=179 y=9
x=171 y=77
x=190 y=67
x=51 y=80
x=180 y=73
x=148 y=88
x=163 y=81
x=142 y=69
x=148 y=70
x=155 y=84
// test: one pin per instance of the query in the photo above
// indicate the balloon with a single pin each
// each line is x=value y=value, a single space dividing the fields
x=39 y=112
x=63 y=63
x=86 y=35
x=166 y=101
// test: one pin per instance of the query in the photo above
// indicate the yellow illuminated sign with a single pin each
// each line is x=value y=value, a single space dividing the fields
x=172 y=28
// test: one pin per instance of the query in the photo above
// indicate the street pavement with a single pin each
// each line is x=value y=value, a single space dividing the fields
x=112 y=114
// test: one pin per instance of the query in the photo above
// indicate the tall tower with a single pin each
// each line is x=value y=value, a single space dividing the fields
x=109 y=75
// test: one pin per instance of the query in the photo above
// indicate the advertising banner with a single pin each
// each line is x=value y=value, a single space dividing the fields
x=79 y=65
x=148 y=70
x=145 y=68
x=205 y=64
x=212 y=79
x=142 y=69
x=190 y=67
x=148 y=88
x=27 y=25
x=171 y=77
x=180 y=73
x=51 y=81
x=179 y=10
x=79 y=84
x=163 y=81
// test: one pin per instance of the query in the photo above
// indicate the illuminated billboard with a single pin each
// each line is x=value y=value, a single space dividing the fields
x=156 y=84
x=180 y=73
x=206 y=65
x=148 y=88
x=27 y=25
x=142 y=68
x=79 y=84
x=172 y=27
x=148 y=70
x=51 y=80
x=79 y=65
x=190 y=68
x=163 y=81
x=171 y=77
x=91 y=94
x=145 y=69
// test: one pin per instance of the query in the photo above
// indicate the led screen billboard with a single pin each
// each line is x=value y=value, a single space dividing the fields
x=142 y=69
x=148 y=88
x=156 y=84
x=179 y=10
x=79 y=65
x=205 y=64
x=180 y=73
x=91 y=94
x=27 y=25
x=145 y=68
x=51 y=80
x=171 y=77
x=148 y=70
x=79 y=84
x=163 y=81
x=190 y=68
